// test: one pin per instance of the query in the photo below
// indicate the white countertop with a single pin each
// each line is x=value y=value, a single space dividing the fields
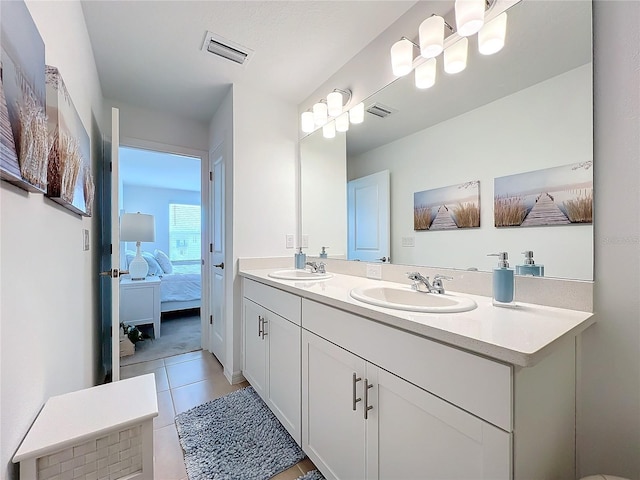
x=72 y=418
x=520 y=336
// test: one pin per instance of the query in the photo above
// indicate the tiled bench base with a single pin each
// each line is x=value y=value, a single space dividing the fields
x=110 y=457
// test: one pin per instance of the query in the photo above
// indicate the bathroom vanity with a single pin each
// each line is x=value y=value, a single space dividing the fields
x=379 y=393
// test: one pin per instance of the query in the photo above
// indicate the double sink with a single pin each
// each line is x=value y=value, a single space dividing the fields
x=395 y=297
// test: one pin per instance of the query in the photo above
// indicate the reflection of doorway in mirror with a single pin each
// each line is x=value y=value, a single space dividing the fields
x=368 y=207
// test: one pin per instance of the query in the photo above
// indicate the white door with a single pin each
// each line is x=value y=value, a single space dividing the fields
x=333 y=425
x=255 y=347
x=368 y=204
x=217 y=328
x=115 y=247
x=413 y=434
x=283 y=372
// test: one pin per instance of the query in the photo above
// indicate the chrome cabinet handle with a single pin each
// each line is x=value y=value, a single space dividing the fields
x=367 y=407
x=355 y=400
x=264 y=332
x=260 y=326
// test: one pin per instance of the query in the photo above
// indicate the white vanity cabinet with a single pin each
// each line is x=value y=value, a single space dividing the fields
x=406 y=432
x=271 y=350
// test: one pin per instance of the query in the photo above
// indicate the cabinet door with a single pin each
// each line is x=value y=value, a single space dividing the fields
x=412 y=434
x=333 y=433
x=255 y=365
x=284 y=372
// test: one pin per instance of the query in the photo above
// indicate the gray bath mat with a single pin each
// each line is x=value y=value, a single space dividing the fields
x=311 y=475
x=233 y=437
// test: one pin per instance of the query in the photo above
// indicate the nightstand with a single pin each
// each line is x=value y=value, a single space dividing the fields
x=140 y=302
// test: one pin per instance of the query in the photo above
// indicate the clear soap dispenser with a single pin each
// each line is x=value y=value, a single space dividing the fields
x=529 y=267
x=504 y=287
x=301 y=259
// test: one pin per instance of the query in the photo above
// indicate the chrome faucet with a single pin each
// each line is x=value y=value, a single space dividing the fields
x=418 y=280
x=317 y=267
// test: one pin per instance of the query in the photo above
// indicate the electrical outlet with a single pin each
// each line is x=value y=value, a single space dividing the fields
x=408 y=241
x=374 y=271
x=289 y=241
x=85 y=239
x=305 y=241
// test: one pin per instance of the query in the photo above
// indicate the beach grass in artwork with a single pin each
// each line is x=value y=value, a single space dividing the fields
x=553 y=196
x=447 y=208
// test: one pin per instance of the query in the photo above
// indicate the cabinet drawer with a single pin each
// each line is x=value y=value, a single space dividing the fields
x=284 y=304
x=476 y=384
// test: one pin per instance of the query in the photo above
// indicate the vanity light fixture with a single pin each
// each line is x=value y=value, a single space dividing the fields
x=307 y=122
x=470 y=16
x=356 y=114
x=320 y=114
x=325 y=110
x=342 y=122
x=329 y=130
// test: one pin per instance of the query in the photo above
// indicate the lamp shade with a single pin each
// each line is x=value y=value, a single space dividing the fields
x=356 y=114
x=431 y=33
x=469 y=16
x=329 y=130
x=402 y=57
x=491 y=36
x=137 y=227
x=334 y=104
x=455 y=56
x=307 y=123
x=342 y=122
x=426 y=74
x=320 y=113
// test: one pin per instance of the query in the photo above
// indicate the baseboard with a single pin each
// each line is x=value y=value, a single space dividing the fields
x=234 y=378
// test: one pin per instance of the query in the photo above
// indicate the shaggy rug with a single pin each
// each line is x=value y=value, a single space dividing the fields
x=178 y=334
x=311 y=475
x=235 y=437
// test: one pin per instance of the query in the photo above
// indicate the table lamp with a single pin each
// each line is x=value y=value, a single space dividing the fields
x=137 y=227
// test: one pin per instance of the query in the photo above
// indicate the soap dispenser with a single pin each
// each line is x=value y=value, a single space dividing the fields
x=529 y=267
x=301 y=259
x=323 y=253
x=503 y=282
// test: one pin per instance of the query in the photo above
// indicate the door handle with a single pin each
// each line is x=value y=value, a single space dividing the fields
x=385 y=259
x=355 y=400
x=367 y=407
x=114 y=273
x=219 y=265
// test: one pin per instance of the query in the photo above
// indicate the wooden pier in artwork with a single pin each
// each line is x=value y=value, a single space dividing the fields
x=545 y=212
x=443 y=220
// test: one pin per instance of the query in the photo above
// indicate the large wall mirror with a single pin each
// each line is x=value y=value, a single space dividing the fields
x=526 y=108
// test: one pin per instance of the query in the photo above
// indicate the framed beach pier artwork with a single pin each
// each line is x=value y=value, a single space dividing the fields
x=552 y=196
x=23 y=123
x=447 y=208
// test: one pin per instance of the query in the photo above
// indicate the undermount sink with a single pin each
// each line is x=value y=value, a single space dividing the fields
x=299 y=274
x=405 y=298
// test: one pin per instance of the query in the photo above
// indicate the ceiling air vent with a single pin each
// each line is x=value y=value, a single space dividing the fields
x=380 y=110
x=224 y=48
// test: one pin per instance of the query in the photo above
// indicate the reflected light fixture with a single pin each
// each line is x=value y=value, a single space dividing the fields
x=329 y=130
x=320 y=113
x=455 y=56
x=356 y=114
x=137 y=227
x=334 y=103
x=491 y=36
x=307 y=122
x=325 y=110
x=470 y=16
x=342 y=122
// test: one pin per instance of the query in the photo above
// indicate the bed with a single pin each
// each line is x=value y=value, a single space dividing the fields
x=180 y=285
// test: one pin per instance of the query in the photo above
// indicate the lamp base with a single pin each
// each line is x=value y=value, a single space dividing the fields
x=138 y=268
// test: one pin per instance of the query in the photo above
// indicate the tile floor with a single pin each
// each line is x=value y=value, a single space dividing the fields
x=182 y=382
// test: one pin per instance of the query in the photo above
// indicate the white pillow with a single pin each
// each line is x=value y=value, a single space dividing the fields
x=164 y=261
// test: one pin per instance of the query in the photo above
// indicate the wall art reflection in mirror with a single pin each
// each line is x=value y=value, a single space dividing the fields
x=447 y=208
x=552 y=196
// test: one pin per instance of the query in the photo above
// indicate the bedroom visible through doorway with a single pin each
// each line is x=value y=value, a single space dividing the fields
x=167 y=186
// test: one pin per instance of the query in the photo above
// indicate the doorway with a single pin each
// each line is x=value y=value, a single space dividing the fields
x=161 y=181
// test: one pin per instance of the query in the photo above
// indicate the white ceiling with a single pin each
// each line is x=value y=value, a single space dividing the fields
x=148 y=53
x=160 y=170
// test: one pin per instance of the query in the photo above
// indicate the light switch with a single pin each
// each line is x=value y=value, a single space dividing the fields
x=289 y=241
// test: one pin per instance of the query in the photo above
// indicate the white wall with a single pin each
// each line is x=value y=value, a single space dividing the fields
x=554 y=129
x=47 y=314
x=155 y=201
x=609 y=368
x=609 y=397
x=155 y=126
x=323 y=192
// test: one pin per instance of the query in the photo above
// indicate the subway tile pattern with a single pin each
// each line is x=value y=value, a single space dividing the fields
x=111 y=457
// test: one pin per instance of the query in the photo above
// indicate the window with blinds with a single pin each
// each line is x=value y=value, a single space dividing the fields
x=184 y=232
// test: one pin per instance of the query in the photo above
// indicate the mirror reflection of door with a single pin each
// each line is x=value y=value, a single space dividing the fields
x=368 y=218
x=217 y=329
